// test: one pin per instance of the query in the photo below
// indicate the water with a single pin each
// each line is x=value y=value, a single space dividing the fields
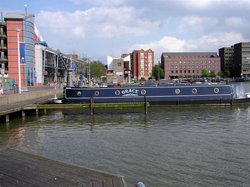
x=173 y=146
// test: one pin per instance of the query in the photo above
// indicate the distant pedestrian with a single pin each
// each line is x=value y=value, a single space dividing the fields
x=1 y=91
x=14 y=88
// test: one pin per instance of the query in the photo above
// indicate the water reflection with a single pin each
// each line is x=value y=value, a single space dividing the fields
x=16 y=138
x=174 y=146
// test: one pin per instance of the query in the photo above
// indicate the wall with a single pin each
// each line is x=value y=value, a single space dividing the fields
x=27 y=96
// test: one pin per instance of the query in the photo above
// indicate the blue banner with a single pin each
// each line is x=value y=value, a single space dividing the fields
x=73 y=67
x=22 y=52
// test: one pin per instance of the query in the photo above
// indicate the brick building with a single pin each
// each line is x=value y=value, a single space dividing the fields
x=189 y=65
x=142 y=64
x=21 y=26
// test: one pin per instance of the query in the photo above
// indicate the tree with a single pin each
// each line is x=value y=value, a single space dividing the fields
x=158 y=72
x=212 y=74
x=96 y=69
x=224 y=74
x=205 y=73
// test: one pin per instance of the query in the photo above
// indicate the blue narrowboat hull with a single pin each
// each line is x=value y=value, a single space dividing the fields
x=182 y=94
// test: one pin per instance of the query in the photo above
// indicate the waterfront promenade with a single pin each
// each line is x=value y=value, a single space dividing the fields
x=12 y=102
x=24 y=169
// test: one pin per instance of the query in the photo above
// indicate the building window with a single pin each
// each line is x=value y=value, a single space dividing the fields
x=119 y=64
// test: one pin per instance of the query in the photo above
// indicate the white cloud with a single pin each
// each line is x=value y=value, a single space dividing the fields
x=98 y=2
x=181 y=25
x=102 y=22
x=196 y=23
x=234 y=21
x=197 y=3
x=207 y=43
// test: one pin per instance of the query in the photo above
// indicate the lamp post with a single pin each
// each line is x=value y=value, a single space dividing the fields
x=19 y=68
x=89 y=72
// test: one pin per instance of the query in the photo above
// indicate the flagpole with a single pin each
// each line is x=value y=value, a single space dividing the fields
x=19 y=68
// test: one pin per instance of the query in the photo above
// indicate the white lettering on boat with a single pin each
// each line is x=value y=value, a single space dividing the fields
x=130 y=92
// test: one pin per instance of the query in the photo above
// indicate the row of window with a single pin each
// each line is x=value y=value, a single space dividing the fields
x=196 y=56
x=194 y=62
x=193 y=67
x=185 y=71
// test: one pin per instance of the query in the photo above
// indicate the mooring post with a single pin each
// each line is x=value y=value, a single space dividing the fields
x=145 y=105
x=36 y=111
x=23 y=115
x=91 y=106
x=7 y=119
x=45 y=111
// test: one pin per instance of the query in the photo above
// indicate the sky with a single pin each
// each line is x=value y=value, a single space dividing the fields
x=100 y=28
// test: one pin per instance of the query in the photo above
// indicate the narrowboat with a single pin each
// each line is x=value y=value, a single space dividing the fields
x=156 y=94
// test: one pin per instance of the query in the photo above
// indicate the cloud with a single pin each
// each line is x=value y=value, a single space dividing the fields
x=98 y=2
x=206 y=43
x=101 y=22
x=234 y=21
x=163 y=25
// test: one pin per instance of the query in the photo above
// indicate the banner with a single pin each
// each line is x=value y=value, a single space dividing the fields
x=22 y=52
x=73 y=67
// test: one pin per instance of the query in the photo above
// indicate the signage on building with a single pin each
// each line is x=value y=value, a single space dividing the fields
x=22 y=52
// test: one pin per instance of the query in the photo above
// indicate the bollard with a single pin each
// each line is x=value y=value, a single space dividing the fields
x=23 y=115
x=145 y=105
x=36 y=111
x=91 y=106
x=7 y=119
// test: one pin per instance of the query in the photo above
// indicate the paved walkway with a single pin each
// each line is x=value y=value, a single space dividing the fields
x=19 y=169
x=13 y=101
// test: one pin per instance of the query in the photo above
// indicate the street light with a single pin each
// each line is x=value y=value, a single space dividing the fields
x=19 y=68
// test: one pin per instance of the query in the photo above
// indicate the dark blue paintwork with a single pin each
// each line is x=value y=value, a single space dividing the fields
x=171 y=94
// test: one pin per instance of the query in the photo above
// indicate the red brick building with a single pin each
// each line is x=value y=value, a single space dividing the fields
x=23 y=26
x=142 y=64
x=189 y=65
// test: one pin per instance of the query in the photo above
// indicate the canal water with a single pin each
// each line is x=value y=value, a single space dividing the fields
x=172 y=146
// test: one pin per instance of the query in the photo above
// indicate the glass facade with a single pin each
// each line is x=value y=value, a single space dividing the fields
x=29 y=67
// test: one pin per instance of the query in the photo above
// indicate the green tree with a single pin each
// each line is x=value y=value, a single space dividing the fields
x=96 y=69
x=226 y=73
x=212 y=74
x=158 y=72
x=204 y=73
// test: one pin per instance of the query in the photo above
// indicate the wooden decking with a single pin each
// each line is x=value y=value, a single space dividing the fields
x=23 y=170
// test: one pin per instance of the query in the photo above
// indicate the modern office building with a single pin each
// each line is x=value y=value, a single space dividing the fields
x=242 y=59
x=21 y=35
x=236 y=59
x=189 y=65
x=227 y=59
x=142 y=64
